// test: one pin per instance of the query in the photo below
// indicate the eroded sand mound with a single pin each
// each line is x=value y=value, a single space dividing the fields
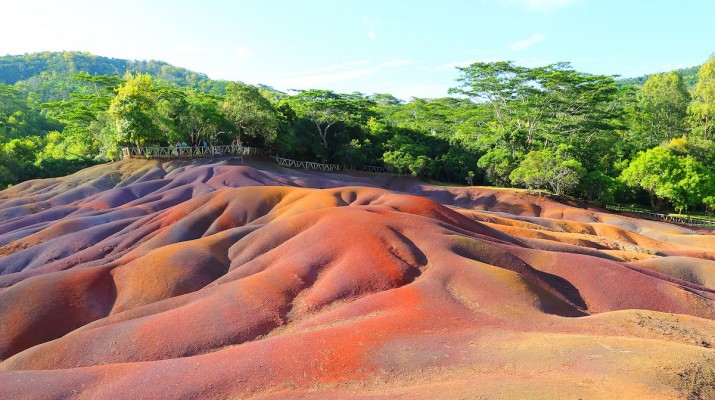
x=143 y=279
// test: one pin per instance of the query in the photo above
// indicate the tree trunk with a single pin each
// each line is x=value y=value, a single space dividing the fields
x=323 y=136
x=705 y=131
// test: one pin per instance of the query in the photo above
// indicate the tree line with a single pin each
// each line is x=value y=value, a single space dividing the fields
x=550 y=128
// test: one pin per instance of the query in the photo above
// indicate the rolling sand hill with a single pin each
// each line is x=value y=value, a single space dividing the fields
x=147 y=280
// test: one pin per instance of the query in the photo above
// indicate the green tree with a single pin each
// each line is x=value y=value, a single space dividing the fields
x=702 y=109
x=546 y=105
x=78 y=114
x=694 y=184
x=136 y=113
x=669 y=178
x=598 y=187
x=497 y=164
x=253 y=115
x=410 y=152
x=104 y=130
x=204 y=118
x=662 y=105
x=652 y=171
x=701 y=149
x=327 y=110
x=517 y=110
x=18 y=118
x=171 y=112
x=554 y=170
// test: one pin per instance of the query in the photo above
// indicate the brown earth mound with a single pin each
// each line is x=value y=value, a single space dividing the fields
x=143 y=279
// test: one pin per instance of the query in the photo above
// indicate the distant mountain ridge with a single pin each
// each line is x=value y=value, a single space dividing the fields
x=690 y=76
x=33 y=70
x=22 y=67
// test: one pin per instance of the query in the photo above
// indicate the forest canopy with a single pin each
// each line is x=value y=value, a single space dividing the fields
x=600 y=139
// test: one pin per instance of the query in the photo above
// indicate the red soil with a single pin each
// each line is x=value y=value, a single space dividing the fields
x=178 y=280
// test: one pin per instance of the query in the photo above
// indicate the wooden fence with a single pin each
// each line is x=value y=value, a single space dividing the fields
x=230 y=150
x=192 y=151
x=371 y=168
x=287 y=162
x=699 y=222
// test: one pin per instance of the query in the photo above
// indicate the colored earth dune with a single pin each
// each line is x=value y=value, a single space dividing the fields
x=195 y=280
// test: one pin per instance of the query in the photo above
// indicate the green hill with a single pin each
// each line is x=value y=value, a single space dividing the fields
x=48 y=75
x=690 y=76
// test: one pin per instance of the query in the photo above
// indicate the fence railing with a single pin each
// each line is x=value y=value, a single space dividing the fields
x=189 y=151
x=371 y=168
x=287 y=162
x=232 y=150
x=690 y=221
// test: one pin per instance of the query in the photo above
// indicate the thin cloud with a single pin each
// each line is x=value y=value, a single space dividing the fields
x=186 y=48
x=344 y=65
x=395 y=63
x=526 y=43
x=428 y=91
x=370 y=25
x=243 y=52
x=543 y=6
x=340 y=72
x=456 y=64
x=313 y=81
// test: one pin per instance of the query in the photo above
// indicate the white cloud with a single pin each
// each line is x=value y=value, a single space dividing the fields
x=370 y=25
x=243 y=52
x=526 y=43
x=456 y=64
x=395 y=63
x=544 y=6
x=186 y=48
x=431 y=91
x=343 y=65
x=316 y=81
x=339 y=73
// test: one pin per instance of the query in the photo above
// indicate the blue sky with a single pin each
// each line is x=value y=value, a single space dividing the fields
x=404 y=47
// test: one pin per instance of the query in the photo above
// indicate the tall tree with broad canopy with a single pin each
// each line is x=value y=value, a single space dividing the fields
x=545 y=105
x=327 y=110
x=204 y=118
x=667 y=177
x=663 y=106
x=253 y=115
x=79 y=115
x=702 y=110
x=497 y=164
x=135 y=112
x=554 y=170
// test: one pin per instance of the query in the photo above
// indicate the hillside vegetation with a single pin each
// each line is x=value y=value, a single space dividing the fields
x=690 y=77
x=548 y=127
x=48 y=75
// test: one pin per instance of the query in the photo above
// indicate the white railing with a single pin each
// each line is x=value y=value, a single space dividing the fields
x=231 y=150
x=691 y=221
x=371 y=168
x=190 y=151
x=287 y=162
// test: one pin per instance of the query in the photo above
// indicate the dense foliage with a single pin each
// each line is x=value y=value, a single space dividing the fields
x=690 y=77
x=550 y=128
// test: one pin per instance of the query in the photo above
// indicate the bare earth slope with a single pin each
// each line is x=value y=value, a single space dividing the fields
x=143 y=279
